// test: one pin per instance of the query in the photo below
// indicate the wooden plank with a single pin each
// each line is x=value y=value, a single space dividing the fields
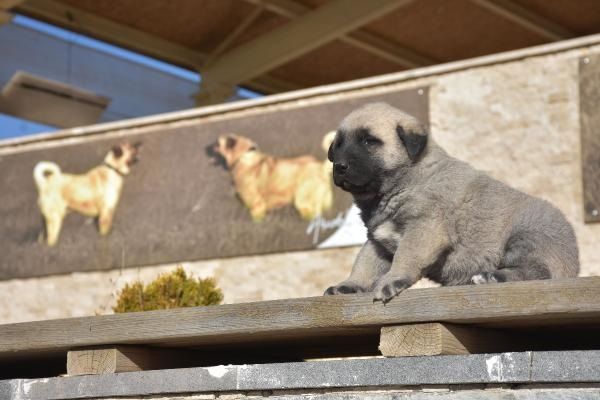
x=89 y=24
x=589 y=104
x=106 y=360
x=432 y=339
x=298 y=37
x=5 y=17
x=531 y=21
x=8 y=4
x=516 y=304
x=362 y=39
x=388 y=49
x=80 y=21
x=225 y=43
x=5 y=6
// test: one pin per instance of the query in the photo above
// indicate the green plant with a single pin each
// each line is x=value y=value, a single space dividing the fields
x=170 y=290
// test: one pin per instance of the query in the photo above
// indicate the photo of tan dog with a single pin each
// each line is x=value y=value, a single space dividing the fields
x=94 y=194
x=266 y=183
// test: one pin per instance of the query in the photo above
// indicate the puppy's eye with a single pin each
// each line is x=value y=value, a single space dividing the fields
x=371 y=141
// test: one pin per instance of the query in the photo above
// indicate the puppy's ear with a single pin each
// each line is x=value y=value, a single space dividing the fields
x=330 y=153
x=117 y=151
x=230 y=142
x=414 y=142
x=334 y=135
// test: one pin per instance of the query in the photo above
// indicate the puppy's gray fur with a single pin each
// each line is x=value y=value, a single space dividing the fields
x=430 y=215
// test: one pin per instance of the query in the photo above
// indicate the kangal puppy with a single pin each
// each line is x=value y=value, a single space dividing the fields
x=431 y=215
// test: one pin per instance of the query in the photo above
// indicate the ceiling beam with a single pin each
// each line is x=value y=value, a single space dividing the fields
x=5 y=17
x=269 y=84
x=5 y=6
x=297 y=37
x=8 y=4
x=234 y=35
x=527 y=19
x=87 y=23
x=384 y=48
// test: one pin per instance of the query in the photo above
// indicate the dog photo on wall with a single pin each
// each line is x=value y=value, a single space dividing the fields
x=265 y=182
x=94 y=194
x=266 y=187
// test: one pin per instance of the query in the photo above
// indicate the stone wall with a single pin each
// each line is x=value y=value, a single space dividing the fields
x=503 y=376
x=517 y=120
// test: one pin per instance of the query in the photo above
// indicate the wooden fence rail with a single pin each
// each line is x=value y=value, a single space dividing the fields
x=454 y=319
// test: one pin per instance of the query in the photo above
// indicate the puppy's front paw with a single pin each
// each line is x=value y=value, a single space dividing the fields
x=343 y=288
x=483 y=278
x=389 y=287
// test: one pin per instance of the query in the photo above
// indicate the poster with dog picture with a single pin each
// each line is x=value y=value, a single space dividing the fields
x=253 y=183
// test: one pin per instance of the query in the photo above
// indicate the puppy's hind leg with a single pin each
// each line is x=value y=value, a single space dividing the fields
x=254 y=201
x=54 y=222
x=105 y=219
x=369 y=266
x=523 y=260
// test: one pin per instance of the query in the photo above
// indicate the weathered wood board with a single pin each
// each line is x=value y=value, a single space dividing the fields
x=108 y=360
x=309 y=321
x=177 y=204
x=434 y=338
x=589 y=110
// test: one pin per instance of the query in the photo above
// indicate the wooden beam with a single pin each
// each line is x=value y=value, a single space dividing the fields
x=305 y=321
x=299 y=36
x=214 y=92
x=269 y=84
x=432 y=339
x=527 y=19
x=249 y=20
x=381 y=47
x=83 y=22
x=8 y=4
x=5 y=17
x=108 y=360
x=388 y=50
x=86 y=23
x=5 y=7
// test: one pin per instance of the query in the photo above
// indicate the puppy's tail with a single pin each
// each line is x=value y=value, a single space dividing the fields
x=44 y=172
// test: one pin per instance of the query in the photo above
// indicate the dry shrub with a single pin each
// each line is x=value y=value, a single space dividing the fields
x=170 y=290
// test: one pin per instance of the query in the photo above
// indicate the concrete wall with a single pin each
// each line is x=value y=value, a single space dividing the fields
x=524 y=375
x=516 y=119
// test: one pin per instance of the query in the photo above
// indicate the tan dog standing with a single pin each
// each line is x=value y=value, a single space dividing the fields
x=265 y=183
x=94 y=194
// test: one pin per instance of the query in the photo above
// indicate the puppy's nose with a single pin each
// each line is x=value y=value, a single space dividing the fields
x=340 y=167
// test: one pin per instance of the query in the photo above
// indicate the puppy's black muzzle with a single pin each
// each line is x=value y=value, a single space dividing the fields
x=340 y=168
x=216 y=157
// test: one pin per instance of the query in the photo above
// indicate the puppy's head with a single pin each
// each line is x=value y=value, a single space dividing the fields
x=372 y=144
x=231 y=148
x=121 y=157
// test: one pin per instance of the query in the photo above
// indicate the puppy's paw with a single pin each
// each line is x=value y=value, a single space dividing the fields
x=483 y=278
x=343 y=288
x=389 y=287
